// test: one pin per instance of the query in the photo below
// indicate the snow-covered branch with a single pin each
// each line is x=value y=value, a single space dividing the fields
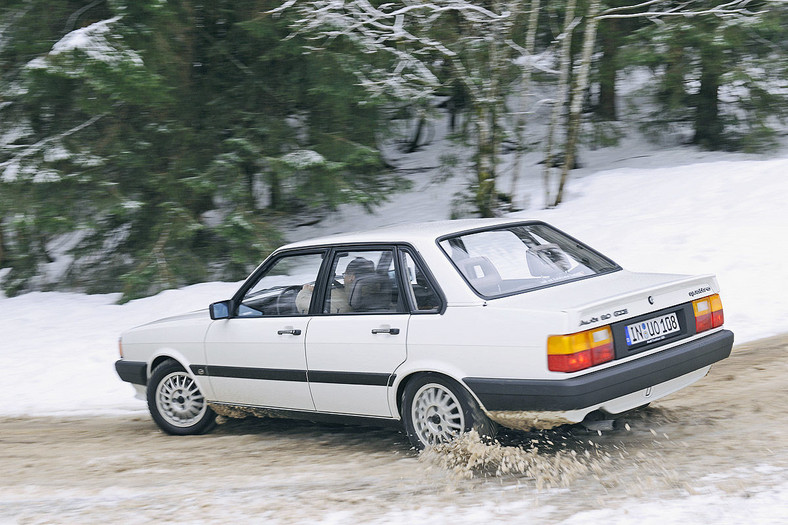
x=688 y=9
x=38 y=146
x=403 y=31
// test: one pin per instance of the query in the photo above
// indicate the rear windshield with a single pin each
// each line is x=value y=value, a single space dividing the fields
x=518 y=258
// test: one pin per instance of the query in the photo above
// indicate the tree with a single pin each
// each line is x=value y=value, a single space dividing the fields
x=148 y=145
x=416 y=50
x=733 y=13
x=732 y=52
x=562 y=100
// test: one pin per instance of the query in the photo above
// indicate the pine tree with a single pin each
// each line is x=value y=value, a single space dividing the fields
x=148 y=145
x=716 y=75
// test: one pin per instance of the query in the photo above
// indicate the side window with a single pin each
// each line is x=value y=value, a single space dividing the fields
x=285 y=288
x=364 y=282
x=421 y=292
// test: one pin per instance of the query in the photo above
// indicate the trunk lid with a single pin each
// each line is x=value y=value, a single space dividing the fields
x=615 y=297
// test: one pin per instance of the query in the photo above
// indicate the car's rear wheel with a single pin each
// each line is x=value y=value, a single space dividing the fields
x=176 y=403
x=436 y=410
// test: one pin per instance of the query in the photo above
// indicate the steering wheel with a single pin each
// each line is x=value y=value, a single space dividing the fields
x=286 y=300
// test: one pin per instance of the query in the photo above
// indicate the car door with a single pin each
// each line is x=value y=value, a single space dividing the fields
x=358 y=338
x=257 y=356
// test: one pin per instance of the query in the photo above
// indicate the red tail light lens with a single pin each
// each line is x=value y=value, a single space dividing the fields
x=708 y=313
x=569 y=362
x=570 y=353
x=601 y=345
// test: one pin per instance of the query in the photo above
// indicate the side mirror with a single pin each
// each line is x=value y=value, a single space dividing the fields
x=220 y=310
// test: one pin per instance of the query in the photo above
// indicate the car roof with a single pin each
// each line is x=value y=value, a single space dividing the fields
x=416 y=233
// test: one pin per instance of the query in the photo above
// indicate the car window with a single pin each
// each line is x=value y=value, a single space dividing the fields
x=518 y=258
x=284 y=289
x=422 y=293
x=364 y=282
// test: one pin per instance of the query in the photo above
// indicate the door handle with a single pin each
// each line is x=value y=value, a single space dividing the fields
x=392 y=331
x=291 y=332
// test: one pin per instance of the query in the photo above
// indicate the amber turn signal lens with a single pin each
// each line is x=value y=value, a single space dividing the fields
x=708 y=313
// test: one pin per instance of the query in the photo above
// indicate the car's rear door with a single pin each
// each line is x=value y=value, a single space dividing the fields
x=357 y=338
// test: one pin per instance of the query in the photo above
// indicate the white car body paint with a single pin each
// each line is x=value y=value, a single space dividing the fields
x=349 y=370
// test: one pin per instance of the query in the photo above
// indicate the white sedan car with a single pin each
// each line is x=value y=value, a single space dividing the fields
x=441 y=327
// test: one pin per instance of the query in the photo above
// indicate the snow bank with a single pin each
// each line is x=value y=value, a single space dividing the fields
x=59 y=349
x=726 y=218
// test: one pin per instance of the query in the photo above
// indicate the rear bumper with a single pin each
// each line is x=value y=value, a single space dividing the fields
x=135 y=372
x=597 y=387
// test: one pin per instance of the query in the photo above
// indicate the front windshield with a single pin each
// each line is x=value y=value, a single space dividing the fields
x=518 y=258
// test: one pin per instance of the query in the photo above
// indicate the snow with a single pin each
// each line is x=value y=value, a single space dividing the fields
x=60 y=348
x=95 y=42
x=714 y=506
x=303 y=159
x=678 y=211
x=92 y=40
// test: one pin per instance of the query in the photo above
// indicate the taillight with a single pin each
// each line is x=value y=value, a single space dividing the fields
x=573 y=352
x=120 y=347
x=708 y=313
x=717 y=316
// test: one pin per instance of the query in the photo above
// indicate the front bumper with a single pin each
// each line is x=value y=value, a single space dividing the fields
x=597 y=387
x=135 y=372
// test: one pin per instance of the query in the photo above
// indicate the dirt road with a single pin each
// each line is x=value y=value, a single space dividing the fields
x=727 y=432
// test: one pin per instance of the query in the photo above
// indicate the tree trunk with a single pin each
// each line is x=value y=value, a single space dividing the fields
x=672 y=92
x=708 y=126
x=488 y=101
x=608 y=31
x=275 y=202
x=525 y=87
x=2 y=245
x=576 y=110
x=563 y=94
x=485 y=164
x=416 y=139
x=251 y=197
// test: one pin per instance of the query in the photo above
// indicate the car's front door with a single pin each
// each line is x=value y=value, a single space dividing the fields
x=257 y=357
x=357 y=340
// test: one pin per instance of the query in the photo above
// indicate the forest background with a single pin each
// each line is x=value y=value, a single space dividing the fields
x=150 y=144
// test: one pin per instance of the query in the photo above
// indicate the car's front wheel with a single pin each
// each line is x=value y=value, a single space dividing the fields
x=176 y=403
x=437 y=410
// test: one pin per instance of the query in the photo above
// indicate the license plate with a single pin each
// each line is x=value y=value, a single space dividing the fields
x=652 y=330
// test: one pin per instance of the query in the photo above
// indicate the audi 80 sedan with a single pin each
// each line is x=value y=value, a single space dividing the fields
x=440 y=327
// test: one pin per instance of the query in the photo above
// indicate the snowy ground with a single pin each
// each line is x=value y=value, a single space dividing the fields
x=679 y=211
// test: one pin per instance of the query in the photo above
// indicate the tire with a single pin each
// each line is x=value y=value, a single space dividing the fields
x=176 y=404
x=436 y=410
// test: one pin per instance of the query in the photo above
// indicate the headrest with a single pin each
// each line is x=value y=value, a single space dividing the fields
x=370 y=292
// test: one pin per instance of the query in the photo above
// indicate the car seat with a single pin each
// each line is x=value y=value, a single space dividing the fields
x=481 y=274
x=370 y=293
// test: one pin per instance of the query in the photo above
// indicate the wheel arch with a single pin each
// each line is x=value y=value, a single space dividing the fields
x=168 y=354
x=159 y=360
x=415 y=374
x=164 y=354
